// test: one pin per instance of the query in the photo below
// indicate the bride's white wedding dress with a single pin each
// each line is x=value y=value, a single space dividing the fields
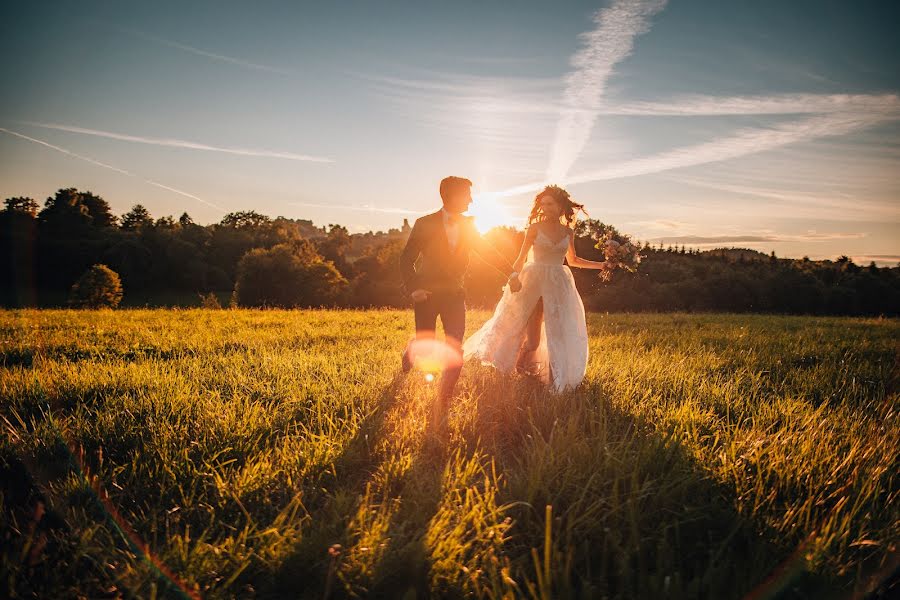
x=561 y=358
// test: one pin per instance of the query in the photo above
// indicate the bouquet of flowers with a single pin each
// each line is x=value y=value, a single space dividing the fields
x=623 y=254
x=619 y=250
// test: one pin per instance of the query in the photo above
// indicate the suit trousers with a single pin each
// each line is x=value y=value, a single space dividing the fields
x=451 y=308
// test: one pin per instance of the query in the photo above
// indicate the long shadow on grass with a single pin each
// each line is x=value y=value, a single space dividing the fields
x=635 y=515
x=362 y=478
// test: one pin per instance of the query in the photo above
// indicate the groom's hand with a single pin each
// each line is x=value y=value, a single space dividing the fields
x=514 y=284
x=420 y=295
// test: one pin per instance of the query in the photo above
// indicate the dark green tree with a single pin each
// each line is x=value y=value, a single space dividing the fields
x=288 y=275
x=245 y=219
x=99 y=210
x=21 y=205
x=99 y=287
x=137 y=218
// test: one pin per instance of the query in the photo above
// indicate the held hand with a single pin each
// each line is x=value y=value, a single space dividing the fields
x=420 y=295
x=514 y=284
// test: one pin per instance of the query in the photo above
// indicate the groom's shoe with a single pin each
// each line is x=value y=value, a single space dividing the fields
x=405 y=363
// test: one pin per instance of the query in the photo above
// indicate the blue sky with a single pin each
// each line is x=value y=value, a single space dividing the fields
x=771 y=125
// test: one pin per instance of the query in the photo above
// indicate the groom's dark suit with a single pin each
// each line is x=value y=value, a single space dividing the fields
x=428 y=262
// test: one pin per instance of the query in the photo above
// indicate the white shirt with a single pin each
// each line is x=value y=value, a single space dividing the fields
x=452 y=229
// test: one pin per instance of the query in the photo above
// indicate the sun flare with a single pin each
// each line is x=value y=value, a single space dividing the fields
x=489 y=213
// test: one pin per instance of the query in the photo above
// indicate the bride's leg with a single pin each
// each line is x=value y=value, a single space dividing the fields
x=532 y=337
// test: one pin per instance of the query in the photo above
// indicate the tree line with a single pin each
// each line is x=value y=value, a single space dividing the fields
x=51 y=257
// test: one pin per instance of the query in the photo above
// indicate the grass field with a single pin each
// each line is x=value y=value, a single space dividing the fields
x=157 y=453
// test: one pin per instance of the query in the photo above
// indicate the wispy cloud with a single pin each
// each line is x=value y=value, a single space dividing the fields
x=359 y=208
x=611 y=42
x=538 y=96
x=478 y=110
x=779 y=104
x=883 y=260
x=214 y=56
x=742 y=143
x=847 y=206
x=666 y=224
x=110 y=167
x=176 y=143
x=811 y=236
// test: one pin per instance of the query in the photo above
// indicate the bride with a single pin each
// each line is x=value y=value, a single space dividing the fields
x=538 y=327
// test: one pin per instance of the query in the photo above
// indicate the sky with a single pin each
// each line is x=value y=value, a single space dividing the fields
x=769 y=125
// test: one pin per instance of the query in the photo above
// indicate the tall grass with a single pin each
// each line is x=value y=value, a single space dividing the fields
x=159 y=453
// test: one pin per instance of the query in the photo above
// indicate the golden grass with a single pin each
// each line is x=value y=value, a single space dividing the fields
x=281 y=453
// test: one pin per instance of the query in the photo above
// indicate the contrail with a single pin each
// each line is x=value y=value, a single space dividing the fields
x=69 y=152
x=111 y=167
x=220 y=57
x=176 y=143
x=610 y=43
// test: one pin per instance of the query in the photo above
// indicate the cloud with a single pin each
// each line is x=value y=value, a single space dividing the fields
x=475 y=109
x=660 y=224
x=783 y=104
x=742 y=143
x=538 y=96
x=847 y=206
x=610 y=43
x=811 y=236
x=176 y=143
x=492 y=110
x=883 y=256
x=881 y=260
x=110 y=167
x=360 y=208
x=220 y=57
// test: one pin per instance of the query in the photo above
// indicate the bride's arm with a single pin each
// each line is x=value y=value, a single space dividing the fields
x=530 y=234
x=575 y=261
x=514 y=284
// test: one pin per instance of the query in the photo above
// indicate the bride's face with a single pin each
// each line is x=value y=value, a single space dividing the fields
x=549 y=207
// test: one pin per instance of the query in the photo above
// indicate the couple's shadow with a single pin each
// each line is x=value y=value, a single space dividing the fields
x=378 y=497
x=370 y=508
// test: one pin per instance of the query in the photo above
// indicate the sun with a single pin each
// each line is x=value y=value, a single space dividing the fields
x=489 y=213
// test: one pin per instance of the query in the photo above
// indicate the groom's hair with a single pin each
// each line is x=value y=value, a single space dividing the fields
x=451 y=185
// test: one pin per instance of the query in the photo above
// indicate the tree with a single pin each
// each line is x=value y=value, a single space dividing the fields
x=65 y=213
x=99 y=210
x=185 y=219
x=137 y=218
x=335 y=245
x=98 y=287
x=166 y=222
x=245 y=219
x=132 y=260
x=287 y=275
x=377 y=280
x=596 y=230
x=21 y=205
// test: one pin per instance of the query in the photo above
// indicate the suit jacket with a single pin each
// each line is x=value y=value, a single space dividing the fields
x=440 y=270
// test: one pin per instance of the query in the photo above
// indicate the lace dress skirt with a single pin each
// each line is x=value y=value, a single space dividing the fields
x=561 y=357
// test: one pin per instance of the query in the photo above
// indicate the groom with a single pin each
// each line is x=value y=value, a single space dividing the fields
x=443 y=240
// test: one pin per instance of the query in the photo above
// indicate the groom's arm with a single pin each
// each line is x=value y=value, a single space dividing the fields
x=409 y=256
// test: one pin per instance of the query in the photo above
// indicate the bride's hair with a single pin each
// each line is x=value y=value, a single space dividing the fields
x=567 y=207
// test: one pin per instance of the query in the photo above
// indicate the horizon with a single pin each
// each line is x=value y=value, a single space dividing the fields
x=772 y=127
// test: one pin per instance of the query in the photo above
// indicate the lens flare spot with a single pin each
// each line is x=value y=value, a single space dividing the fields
x=432 y=356
x=429 y=377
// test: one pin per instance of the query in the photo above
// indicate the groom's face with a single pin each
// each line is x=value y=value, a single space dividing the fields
x=460 y=201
